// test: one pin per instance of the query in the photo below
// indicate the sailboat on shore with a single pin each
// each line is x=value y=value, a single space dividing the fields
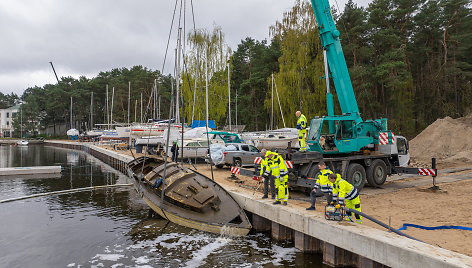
x=184 y=196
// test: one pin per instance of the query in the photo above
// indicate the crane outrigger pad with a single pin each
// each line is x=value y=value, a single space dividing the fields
x=190 y=198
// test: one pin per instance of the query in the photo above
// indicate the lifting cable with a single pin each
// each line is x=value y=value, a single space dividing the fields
x=76 y=190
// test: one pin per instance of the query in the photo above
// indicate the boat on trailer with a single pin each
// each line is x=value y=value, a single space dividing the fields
x=190 y=198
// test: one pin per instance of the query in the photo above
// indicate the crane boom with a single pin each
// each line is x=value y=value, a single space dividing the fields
x=54 y=70
x=337 y=64
x=346 y=133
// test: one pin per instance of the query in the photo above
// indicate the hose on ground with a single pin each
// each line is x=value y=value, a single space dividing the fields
x=76 y=190
x=380 y=223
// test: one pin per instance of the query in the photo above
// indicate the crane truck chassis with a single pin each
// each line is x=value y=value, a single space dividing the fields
x=370 y=167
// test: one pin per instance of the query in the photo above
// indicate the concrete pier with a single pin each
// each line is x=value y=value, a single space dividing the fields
x=307 y=243
x=281 y=233
x=30 y=170
x=261 y=224
x=342 y=244
x=14 y=141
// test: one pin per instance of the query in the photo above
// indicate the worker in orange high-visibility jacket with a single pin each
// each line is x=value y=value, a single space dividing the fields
x=279 y=171
x=345 y=194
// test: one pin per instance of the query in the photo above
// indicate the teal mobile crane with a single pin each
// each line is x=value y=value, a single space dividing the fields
x=346 y=133
x=361 y=150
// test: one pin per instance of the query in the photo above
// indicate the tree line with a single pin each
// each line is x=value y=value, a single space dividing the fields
x=409 y=61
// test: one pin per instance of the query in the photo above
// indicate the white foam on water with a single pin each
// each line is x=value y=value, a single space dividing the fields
x=143 y=266
x=151 y=243
x=109 y=257
x=276 y=254
x=199 y=256
x=185 y=241
x=98 y=265
x=71 y=264
x=282 y=254
x=117 y=265
x=141 y=260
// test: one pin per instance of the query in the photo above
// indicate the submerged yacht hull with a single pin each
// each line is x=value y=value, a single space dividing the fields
x=190 y=199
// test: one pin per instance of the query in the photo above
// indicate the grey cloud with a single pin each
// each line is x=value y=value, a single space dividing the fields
x=88 y=36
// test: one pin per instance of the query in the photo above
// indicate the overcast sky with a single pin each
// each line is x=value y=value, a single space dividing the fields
x=88 y=36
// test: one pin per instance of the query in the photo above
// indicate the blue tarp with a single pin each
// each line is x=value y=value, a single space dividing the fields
x=202 y=123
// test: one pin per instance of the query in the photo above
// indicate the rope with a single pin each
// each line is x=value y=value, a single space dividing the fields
x=406 y=225
x=168 y=38
x=76 y=190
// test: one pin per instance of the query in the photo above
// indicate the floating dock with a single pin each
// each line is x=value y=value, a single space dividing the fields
x=14 y=141
x=13 y=171
x=341 y=244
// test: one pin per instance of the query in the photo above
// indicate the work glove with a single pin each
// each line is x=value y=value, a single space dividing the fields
x=299 y=126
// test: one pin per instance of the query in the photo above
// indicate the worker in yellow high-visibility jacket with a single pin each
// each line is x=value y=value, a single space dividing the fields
x=279 y=171
x=265 y=172
x=346 y=194
x=322 y=187
x=302 y=124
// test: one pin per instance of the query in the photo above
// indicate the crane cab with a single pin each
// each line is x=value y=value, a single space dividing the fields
x=342 y=134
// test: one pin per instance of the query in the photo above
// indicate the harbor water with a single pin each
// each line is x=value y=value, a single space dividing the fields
x=110 y=227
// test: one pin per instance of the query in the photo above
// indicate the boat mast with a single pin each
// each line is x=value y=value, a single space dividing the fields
x=141 y=107
x=229 y=97
x=152 y=103
x=177 y=82
x=71 y=112
x=135 y=110
x=111 y=108
x=272 y=107
x=91 y=112
x=107 y=108
x=195 y=88
x=21 y=122
x=129 y=99
x=206 y=109
x=158 y=96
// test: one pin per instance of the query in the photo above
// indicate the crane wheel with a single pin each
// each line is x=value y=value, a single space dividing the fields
x=356 y=175
x=377 y=173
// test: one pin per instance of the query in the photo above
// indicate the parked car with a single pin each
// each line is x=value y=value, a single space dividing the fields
x=238 y=154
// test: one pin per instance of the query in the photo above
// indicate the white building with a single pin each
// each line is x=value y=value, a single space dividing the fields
x=6 y=121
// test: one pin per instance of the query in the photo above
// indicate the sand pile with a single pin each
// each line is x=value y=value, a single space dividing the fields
x=447 y=139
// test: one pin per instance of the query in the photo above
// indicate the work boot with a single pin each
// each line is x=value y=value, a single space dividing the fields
x=284 y=203
x=264 y=197
x=311 y=208
x=276 y=203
